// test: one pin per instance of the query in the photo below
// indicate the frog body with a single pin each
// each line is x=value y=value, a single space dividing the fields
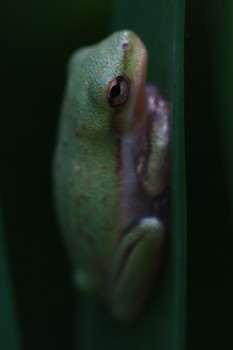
x=111 y=171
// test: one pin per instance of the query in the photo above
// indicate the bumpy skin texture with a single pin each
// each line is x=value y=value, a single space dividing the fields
x=110 y=170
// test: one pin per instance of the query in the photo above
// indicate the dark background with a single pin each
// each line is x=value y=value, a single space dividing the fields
x=210 y=258
x=37 y=39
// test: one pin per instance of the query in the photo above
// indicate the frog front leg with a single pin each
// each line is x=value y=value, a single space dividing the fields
x=153 y=160
x=135 y=265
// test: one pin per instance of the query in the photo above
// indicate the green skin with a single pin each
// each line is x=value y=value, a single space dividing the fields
x=107 y=188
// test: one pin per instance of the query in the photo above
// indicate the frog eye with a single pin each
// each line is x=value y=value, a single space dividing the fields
x=118 y=91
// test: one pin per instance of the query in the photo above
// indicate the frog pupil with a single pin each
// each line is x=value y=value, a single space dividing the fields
x=116 y=90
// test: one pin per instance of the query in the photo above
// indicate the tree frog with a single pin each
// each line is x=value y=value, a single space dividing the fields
x=111 y=172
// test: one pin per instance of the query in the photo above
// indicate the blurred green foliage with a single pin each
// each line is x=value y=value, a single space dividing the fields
x=9 y=332
x=37 y=39
x=161 y=325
